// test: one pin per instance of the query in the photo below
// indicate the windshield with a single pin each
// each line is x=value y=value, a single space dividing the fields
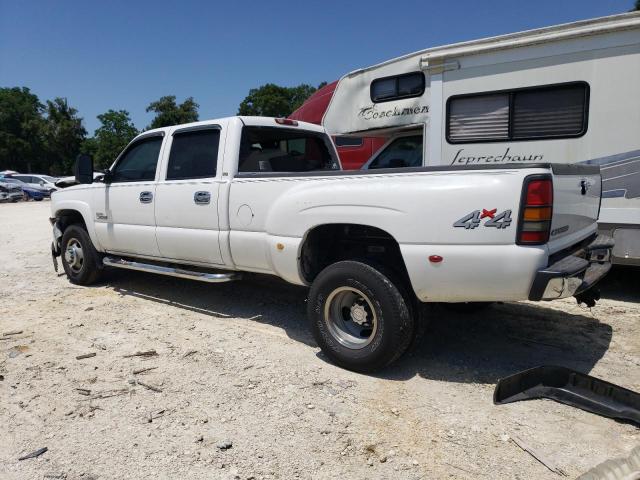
x=269 y=149
x=402 y=152
x=49 y=179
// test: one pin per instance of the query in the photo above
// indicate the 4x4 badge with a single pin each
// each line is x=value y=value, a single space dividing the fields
x=496 y=220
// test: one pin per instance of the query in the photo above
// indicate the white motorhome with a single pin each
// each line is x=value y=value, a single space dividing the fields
x=563 y=94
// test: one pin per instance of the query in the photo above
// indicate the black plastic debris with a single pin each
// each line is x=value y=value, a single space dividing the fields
x=35 y=454
x=571 y=388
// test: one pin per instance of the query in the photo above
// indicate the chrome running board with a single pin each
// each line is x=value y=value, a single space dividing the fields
x=172 y=272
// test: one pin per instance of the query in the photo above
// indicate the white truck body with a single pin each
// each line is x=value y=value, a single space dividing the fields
x=251 y=213
x=269 y=205
x=599 y=56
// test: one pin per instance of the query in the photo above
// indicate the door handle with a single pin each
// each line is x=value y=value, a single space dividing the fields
x=202 y=198
x=146 y=197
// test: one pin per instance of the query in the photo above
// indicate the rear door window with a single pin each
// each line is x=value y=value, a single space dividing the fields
x=194 y=154
x=401 y=153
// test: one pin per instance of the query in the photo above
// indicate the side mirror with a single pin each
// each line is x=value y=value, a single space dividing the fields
x=42 y=183
x=83 y=169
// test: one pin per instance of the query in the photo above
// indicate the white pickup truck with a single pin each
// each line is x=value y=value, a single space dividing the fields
x=209 y=200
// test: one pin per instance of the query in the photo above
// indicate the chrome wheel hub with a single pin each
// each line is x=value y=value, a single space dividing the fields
x=74 y=255
x=350 y=317
x=358 y=314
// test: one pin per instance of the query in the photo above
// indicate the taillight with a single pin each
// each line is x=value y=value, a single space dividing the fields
x=536 y=210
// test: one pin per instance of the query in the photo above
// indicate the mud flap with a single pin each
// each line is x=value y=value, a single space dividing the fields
x=54 y=256
x=571 y=388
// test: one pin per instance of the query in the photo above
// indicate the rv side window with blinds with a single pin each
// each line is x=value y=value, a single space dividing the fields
x=555 y=111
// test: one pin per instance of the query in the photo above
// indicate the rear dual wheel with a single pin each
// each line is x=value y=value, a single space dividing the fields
x=360 y=319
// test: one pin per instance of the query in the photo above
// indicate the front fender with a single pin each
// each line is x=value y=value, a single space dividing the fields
x=84 y=209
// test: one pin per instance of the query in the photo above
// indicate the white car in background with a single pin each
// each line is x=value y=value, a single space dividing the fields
x=37 y=181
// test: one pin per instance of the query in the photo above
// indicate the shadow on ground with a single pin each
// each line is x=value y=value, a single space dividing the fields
x=621 y=283
x=479 y=347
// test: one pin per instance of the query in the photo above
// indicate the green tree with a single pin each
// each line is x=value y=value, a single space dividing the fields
x=168 y=112
x=271 y=100
x=21 y=129
x=64 y=136
x=110 y=138
x=636 y=6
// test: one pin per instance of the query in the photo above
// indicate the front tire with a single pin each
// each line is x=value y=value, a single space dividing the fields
x=80 y=260
x=359 y=318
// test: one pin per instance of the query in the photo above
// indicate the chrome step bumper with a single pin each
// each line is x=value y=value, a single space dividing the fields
x=169 y=271
x=574 y=274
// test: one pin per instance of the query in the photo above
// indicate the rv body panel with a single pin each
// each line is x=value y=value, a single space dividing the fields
x=600 y=56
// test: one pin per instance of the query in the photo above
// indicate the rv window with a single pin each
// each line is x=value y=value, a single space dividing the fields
x=558 y=111
x=549 y=113
x=401 y=153
x=348 y=141
x=400 y=86
x=479 y=118
x=268 y=149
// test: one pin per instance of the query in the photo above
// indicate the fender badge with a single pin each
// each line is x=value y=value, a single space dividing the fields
x=497 y=220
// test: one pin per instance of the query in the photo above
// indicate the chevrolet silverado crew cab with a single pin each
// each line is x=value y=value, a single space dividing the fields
x=212 y=199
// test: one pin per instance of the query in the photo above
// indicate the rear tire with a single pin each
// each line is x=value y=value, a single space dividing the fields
x=359 y=318
x=80 y=260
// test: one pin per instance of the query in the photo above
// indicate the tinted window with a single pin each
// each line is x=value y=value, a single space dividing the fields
x=555 y=111
x=400 y=86
x=23 y=178
x=139 y=161
x=402 y=152
x=266 y=149
x=193 y=154
x=549 y=113
x=348 y=142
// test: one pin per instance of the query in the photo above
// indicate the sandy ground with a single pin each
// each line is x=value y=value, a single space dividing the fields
x=235 y=363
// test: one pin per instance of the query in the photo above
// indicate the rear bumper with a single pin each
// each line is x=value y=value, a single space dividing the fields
x=575 y=273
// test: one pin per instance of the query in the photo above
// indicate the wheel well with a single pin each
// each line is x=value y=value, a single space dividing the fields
x=64 y=218
x=327 y=244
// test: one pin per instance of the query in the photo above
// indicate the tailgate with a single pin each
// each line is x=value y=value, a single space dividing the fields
x=576 y=204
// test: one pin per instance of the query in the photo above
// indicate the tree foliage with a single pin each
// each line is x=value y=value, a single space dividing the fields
x=636 y=6
x=169 y=113
x=271 y=100
x=116 y=130
x=36 y=137
x=21 y=129
x=63 y=136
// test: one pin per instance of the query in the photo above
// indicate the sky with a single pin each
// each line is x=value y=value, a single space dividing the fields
x=116 y=54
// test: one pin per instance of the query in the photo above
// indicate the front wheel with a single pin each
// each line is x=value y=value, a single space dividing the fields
x=80 y=260
x=359 y=318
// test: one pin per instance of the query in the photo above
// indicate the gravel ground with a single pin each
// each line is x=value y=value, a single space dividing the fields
x=238 y=389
